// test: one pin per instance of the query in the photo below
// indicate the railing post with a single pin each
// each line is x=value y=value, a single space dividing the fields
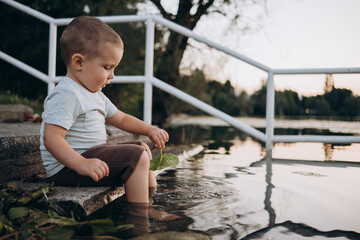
x=270 y=107
x=149 y=65
x=52 y=57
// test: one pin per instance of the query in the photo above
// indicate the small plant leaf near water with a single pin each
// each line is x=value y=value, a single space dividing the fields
x=164 y=161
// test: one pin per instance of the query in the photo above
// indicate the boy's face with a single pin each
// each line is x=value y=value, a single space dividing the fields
x=96 y=72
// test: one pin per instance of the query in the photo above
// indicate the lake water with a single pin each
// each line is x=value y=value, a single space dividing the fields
x=197 y=129
x=233 y=191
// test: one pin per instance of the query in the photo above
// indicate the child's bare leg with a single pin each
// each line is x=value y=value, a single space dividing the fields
x=152 y=177
x=155 y=213
x=137 y=186
x=137 y=190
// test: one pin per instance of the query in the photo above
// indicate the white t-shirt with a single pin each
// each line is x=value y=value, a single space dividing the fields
x=81 y=113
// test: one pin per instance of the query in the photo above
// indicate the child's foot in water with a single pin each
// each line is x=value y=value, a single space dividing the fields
x=145 y=210
x=161 y=216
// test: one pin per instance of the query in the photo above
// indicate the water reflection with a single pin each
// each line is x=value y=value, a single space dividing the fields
x=329 y=151
x=223 y=210
x=223 y=136
x=221 y=197
x=198 y=134
x=277 y=229
x=237 y=191
x=268 y=192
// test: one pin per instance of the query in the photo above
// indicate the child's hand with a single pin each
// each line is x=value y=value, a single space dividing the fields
x=94 y=168
x=158 y=136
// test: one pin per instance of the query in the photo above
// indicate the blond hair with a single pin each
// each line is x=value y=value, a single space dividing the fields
x=86 y=35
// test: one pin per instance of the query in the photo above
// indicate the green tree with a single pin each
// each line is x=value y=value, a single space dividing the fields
x=244 y=104
x=351 y=107
x=223 y=97
x=336 y=98
x=287 y=103
x=195 y=84
x=316 y=106
x=322 y=107
x=20 y=29
x=258 y=100
x=188 y=14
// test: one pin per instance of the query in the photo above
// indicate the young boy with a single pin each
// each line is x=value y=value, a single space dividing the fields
x=73 y=135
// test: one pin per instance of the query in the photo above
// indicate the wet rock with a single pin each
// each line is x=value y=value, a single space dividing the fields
x=82 y=201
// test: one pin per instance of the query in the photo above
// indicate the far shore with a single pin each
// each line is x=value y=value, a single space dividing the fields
x=330 y=124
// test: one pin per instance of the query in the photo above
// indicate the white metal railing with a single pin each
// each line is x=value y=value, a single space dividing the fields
x=149 y=80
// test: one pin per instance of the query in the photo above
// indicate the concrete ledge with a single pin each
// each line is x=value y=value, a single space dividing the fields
x=19 y=149
x=83 y=201
x=20 y=160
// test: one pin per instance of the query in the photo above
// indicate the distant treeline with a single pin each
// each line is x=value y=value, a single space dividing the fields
x=17 y=86
x=336 y=102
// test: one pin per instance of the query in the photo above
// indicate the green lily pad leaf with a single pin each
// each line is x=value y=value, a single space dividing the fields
x=166 y=160
x=154 y=163
x=18 y=212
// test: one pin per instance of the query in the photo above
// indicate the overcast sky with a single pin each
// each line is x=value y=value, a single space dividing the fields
x=292 y=34
x=306 y=34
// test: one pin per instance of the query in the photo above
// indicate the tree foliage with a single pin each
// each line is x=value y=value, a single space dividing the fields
x=26 y=39
x=338 y=102
x=188 y=14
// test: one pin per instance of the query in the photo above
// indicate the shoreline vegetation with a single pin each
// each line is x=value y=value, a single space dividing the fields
x=331 y=124
x=334 y=104
x=168 y=55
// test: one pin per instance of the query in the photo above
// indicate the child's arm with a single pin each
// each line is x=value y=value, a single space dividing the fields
x=55 y=143
x=133 y=125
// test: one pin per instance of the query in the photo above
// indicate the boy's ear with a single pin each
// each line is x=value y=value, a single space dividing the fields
x=77 y=61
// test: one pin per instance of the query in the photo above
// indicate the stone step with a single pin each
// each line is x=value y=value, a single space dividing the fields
x=19 y=149
x=20 y=161
x=83 y=201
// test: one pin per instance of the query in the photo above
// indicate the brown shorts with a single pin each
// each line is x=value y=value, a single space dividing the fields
x=121 y=159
